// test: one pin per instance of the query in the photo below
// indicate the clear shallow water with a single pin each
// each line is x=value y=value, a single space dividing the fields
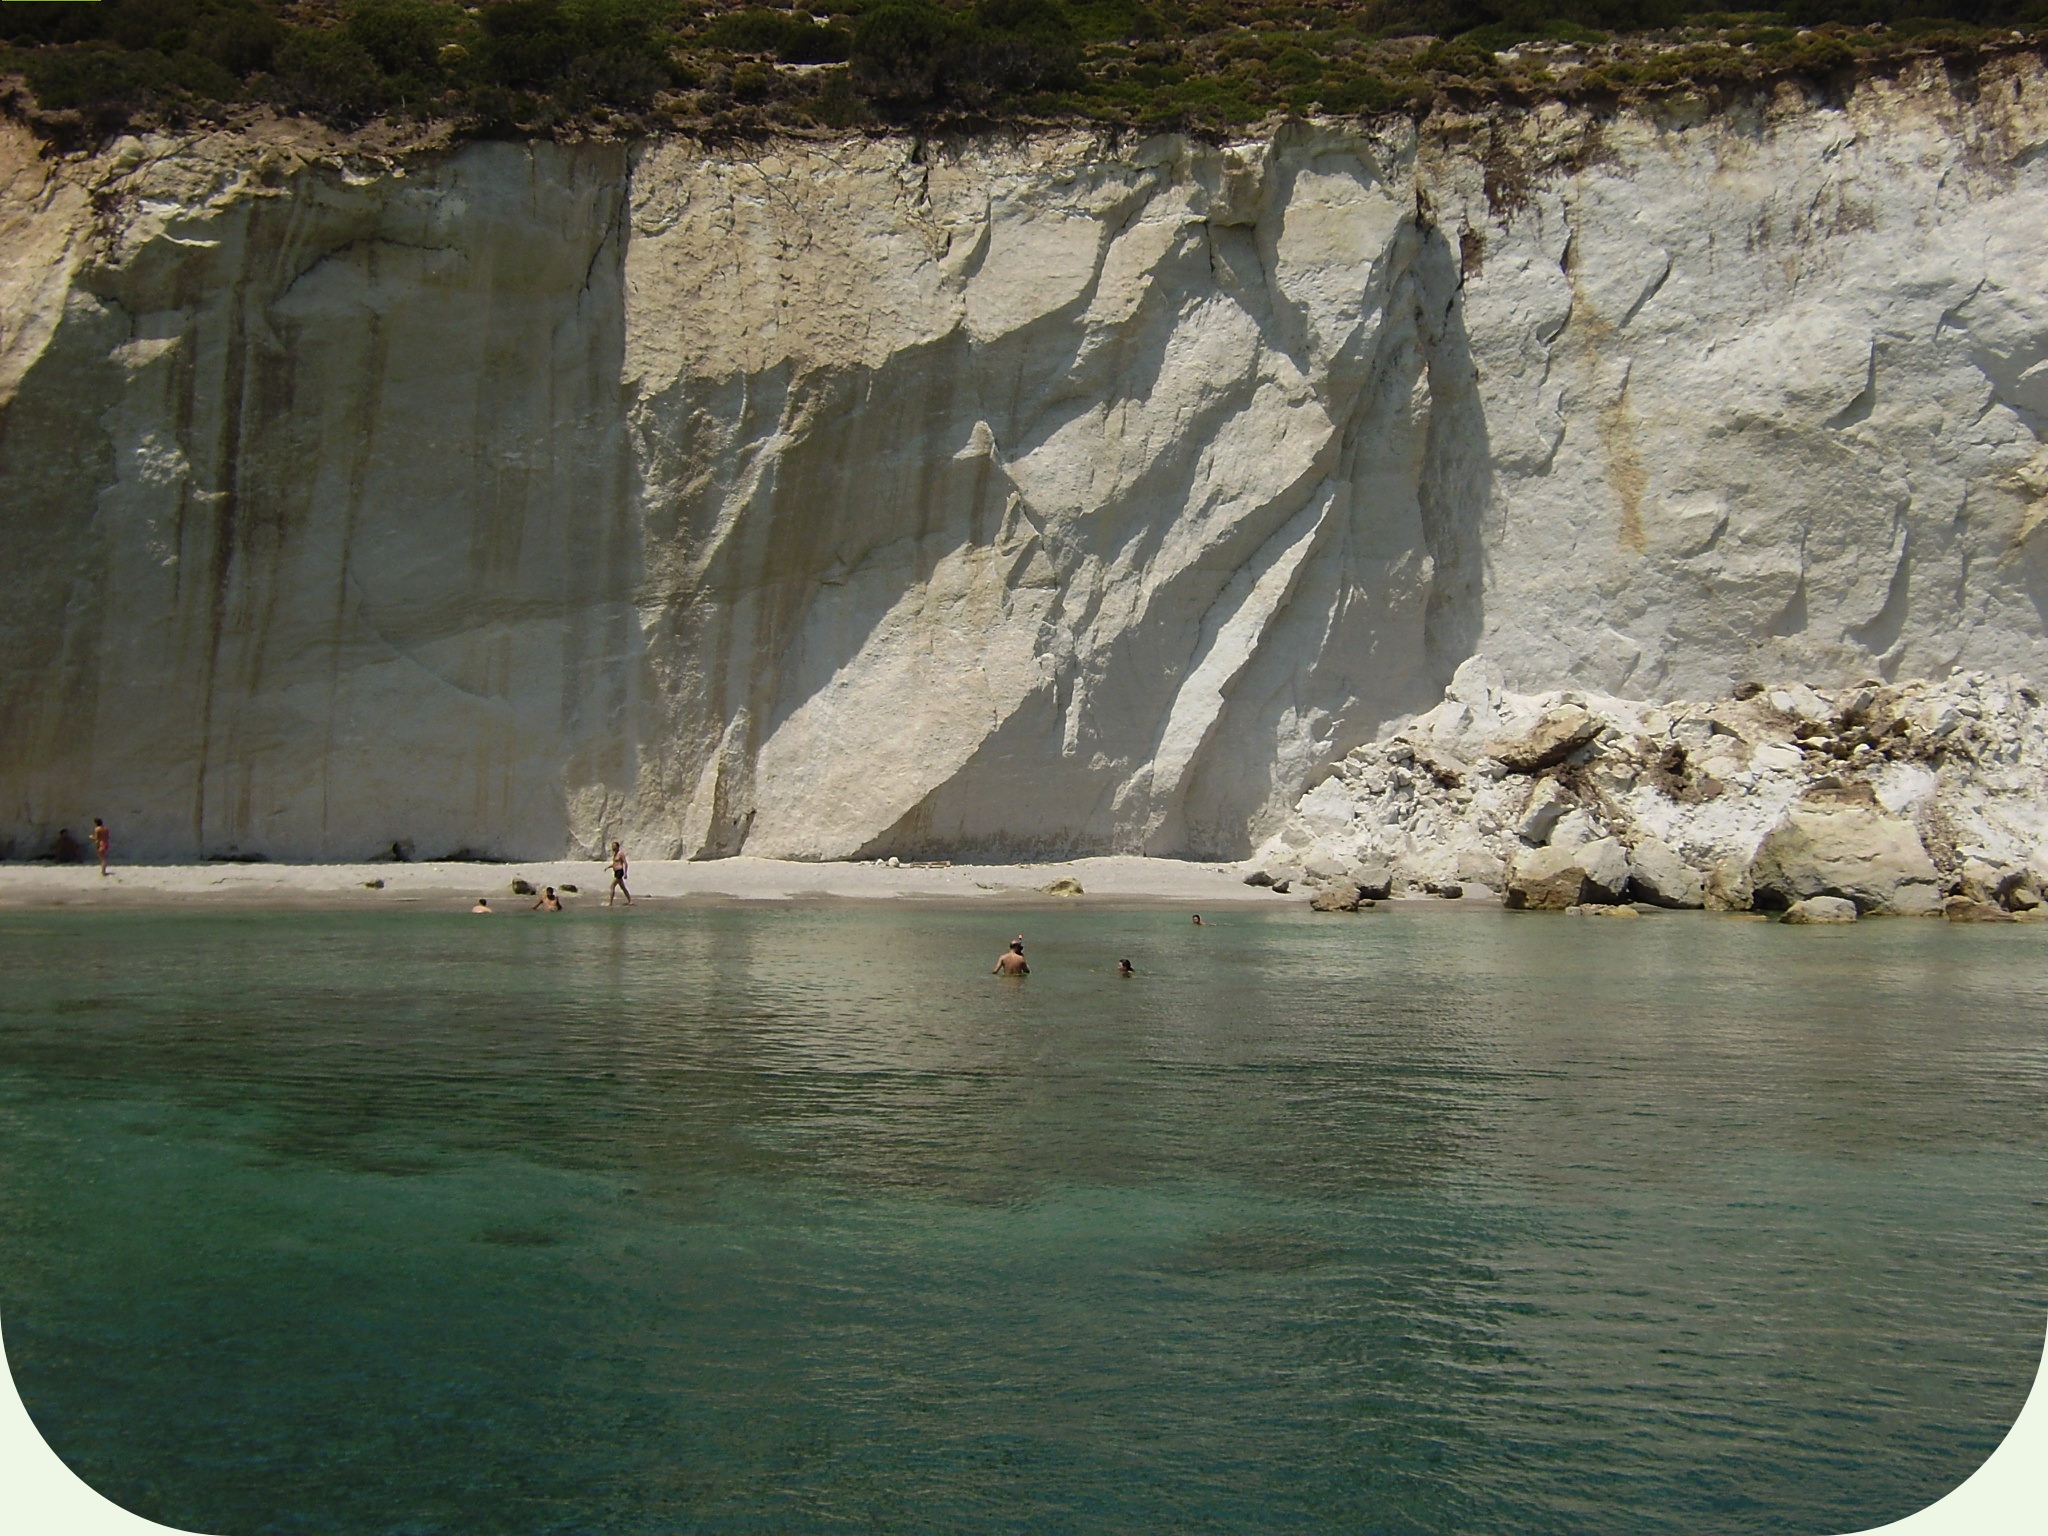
x=796 y=1220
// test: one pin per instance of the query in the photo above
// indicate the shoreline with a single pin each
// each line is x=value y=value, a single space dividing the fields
x=1118 y=879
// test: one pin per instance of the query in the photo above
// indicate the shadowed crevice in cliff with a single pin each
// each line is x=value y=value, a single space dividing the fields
x=365 y=498
x=52 y=586
x=1455 y=489
x=1392 y=598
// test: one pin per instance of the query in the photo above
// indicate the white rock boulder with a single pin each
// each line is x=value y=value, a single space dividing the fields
x=1662 y=878
x=1846 y=847
x=1821 y=909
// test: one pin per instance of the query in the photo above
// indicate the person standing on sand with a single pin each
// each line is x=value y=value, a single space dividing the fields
x=1011 y=961
x=618 y=877
x=100 y=842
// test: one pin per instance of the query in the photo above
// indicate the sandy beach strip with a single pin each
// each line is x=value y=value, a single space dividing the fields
x=315 y=886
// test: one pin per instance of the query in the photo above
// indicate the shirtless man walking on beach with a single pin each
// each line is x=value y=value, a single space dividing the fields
x=618 y=877
x=100 y=840
x=1011 y=961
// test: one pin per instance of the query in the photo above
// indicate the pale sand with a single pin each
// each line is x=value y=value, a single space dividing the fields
x=656 y=882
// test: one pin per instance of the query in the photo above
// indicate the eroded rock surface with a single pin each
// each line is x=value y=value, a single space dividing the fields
x=877 y=498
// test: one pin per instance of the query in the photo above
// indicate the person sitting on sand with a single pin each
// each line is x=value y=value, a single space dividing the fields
x=1123 y=968
x=68 y=851
x=618 y=877
x=549 y=902
x=483 y=905
x=1011 y=961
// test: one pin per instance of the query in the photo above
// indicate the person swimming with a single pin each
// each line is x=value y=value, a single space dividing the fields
x=1123 y=968
x=1011 y=961
x=483 y=905
x=549 y=902
x=1198 y=921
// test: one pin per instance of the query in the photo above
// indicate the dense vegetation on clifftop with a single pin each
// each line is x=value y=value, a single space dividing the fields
x=83 y=71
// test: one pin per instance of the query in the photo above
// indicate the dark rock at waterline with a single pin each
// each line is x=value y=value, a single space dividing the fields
x=1338 y=896
x=522 y=888
x=1961 y=909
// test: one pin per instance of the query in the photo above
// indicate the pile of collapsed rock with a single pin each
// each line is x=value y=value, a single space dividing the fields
x=1915 y=798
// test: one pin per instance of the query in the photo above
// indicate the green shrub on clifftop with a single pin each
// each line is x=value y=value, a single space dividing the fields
x=552 y=66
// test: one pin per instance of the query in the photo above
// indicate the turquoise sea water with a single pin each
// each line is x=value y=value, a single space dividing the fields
x=797 y=1220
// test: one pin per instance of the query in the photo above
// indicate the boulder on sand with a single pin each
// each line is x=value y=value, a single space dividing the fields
x=1841 y=843
x=1341 y=896
x=1821 y=909
x=1662 y=878
x=1376 y=881
x=1545 y=880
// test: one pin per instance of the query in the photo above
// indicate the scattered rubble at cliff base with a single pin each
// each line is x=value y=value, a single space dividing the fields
x=1921 y=798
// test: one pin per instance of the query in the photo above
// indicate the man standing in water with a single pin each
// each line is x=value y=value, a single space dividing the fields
x=1011 y=961
x=100 y=840
x=618 y=877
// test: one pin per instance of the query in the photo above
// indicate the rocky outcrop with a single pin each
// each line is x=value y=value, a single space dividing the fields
x=1890 y=796
x=877 y=497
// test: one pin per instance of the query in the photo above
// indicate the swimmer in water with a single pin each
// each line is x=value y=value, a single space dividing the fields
x=549 y=902
x=482 y=905
x=1011 y=961
x=1198 y=921
x=1123 y=968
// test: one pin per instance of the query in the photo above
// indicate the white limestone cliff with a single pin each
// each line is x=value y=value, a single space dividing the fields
x=860 y=498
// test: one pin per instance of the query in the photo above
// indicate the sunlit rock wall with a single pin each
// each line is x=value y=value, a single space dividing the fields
x=1010 y=497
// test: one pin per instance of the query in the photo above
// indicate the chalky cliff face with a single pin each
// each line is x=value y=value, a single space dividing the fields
x=846 y=499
